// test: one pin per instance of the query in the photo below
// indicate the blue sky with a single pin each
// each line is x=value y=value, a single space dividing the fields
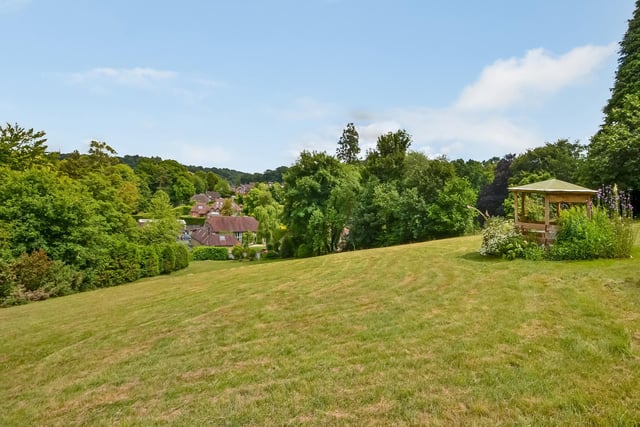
x=248 y=84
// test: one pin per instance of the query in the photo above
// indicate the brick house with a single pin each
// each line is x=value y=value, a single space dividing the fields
x=224 y=230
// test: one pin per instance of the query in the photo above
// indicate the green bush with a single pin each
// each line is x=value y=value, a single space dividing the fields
x=599 y=236
x=238 y=252
x=36 y=277
x=118 y=263
x=500 y=237
x=287 y=248
x=182 y=256
x=251 y=254
x=193 y=220
x=206 y=253
x=30 y=269
x=149 y=261
x=7 y=279
x=270 y=254
x=166 y=257
x=304 y=251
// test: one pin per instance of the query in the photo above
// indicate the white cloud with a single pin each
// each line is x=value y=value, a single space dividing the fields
x=452 y=132
x=482 y=122
x=133 y=77
x=510 y=82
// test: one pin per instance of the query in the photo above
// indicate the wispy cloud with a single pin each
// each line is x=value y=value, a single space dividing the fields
x=133 y=77
x=187 y=88
x=12 y=5
x=516 y=81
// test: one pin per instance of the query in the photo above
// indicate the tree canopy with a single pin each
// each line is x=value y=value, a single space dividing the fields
x=614 y=151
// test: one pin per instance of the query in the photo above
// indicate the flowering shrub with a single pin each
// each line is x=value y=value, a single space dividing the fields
x=619 y=209
x=581 y=237
x=608 y=233
x=615 y=202
x=500 y=237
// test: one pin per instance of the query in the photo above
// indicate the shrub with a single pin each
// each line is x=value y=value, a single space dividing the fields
x=270 y=254
x=37 y=278
x=149 y=261
x=193 y=220
x=182 y=256
x=206 y=253
x=500 y=237
x=7 y=279
x=251 y=253
x=166 y=257
x=30 y=269
x=304 y=251
x=237 y=252
x=287 y=248
x=602 y=235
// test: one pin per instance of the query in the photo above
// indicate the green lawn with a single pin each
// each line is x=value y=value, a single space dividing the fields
x=425 y=334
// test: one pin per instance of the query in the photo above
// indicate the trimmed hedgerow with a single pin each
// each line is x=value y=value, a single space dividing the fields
x=209 y=253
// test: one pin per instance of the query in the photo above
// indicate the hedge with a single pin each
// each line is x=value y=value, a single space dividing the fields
x=207 y=253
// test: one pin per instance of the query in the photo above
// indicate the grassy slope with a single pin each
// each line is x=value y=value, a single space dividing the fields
x=421 y=334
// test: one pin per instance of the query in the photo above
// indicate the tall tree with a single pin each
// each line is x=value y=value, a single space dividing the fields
x=627 y=79
x=260 y=204
x=614 y=152
x=348 y=145
x=316 y=208
x=561 y=159
x=22 y=148
x=386 y=162
x=164 y=226
x=492 y=196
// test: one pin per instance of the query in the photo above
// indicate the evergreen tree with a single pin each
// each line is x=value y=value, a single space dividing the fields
x=614 y=151
x=628 y=74
x=348 y=145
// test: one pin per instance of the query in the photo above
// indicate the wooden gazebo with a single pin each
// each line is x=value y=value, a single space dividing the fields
x=557 y=194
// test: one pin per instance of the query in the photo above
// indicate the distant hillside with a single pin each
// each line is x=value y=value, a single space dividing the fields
x=232 y=176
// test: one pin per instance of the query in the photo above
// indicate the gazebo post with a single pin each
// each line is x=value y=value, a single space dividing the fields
x=546 y=218
x=515 y=208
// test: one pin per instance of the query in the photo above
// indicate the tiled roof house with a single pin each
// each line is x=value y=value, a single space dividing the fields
x=224 y=230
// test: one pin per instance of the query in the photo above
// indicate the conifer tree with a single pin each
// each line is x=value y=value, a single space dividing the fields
x=348 y=145
x=628 y=74
x=614 y=151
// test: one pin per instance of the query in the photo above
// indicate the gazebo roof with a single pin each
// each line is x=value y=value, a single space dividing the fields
x=552 y=186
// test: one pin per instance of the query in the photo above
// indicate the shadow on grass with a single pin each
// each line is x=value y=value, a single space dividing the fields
x=475 y=256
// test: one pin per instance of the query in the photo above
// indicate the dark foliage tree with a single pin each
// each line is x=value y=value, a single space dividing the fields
x=348 y=145
x=492 y=196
